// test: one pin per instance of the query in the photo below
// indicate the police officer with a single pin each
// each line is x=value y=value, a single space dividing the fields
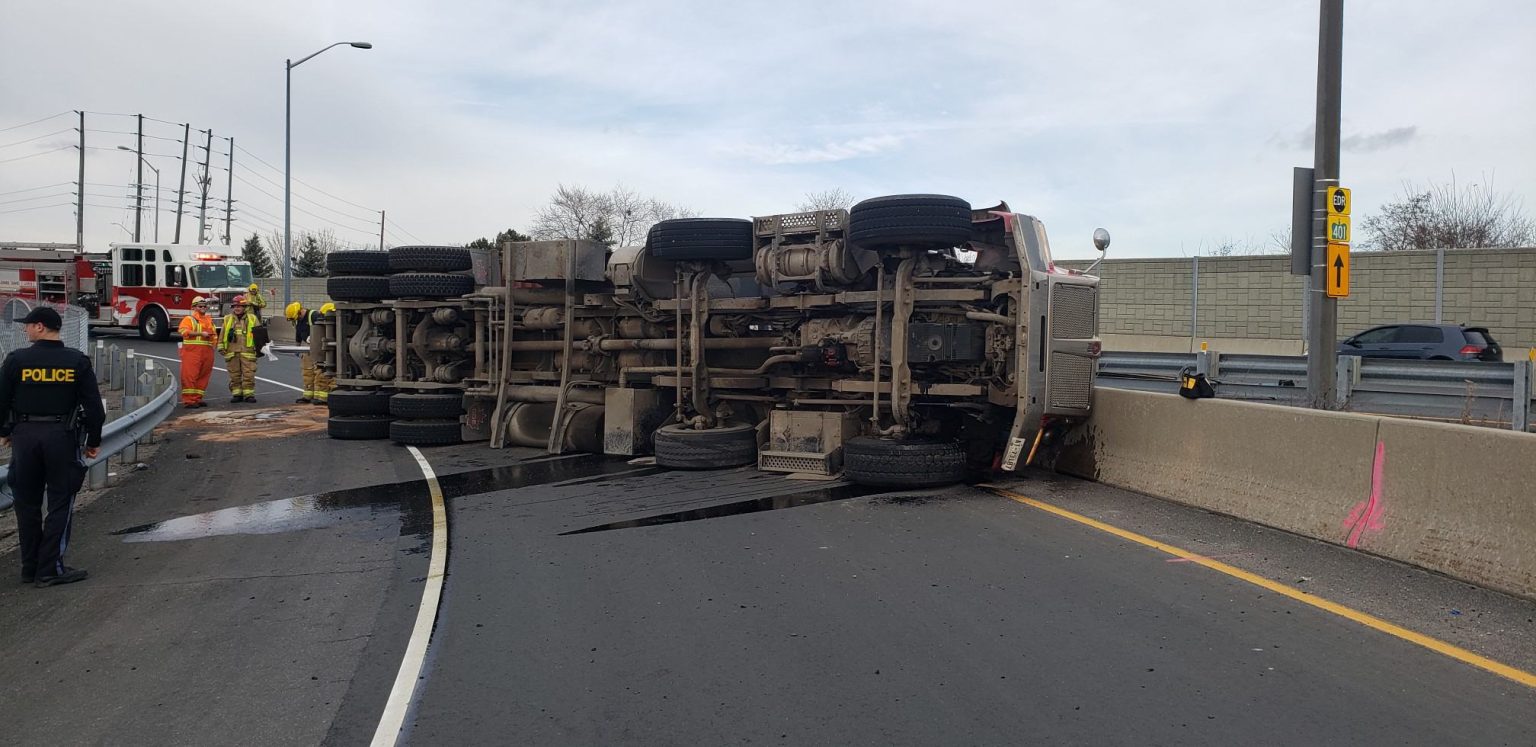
x=51 y=417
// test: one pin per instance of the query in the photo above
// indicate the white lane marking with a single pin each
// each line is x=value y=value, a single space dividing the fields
x=216 y=368
x=404 y=692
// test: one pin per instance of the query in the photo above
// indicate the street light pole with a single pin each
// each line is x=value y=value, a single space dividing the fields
x=288 y=66
x=151 y=166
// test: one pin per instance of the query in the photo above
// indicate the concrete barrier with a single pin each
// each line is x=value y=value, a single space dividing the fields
x=1450 y=498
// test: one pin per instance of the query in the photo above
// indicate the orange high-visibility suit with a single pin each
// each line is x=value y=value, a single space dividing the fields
x=196 y=357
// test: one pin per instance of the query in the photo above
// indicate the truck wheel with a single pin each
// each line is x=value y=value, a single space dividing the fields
x=712 y=239
x=681 y=447
x=404 y=405
x=429 y=259
x=154 y=326
x=430 y=285
x=344 y=402
x=910 y=220
x=903 y=464
x=436 y=432
x=357 y=262
x=358 y=427
x=357 y=288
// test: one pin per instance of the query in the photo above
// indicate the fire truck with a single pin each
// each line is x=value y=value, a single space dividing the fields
x=148 y=287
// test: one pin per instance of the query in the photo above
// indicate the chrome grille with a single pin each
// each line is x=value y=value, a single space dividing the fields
x=1074 y=311
x=1071 y=381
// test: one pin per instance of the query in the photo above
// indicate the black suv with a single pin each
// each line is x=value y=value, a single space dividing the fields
x=1436 y=342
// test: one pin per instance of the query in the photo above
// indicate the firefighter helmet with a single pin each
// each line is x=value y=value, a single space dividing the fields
x=237 y=301
x=199 y=301
x=327 y=307
x=254 y=288
x=291 y=313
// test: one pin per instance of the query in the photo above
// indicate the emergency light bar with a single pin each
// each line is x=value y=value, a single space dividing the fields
x=207 y=256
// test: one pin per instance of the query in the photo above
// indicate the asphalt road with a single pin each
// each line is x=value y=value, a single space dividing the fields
x=267 y=590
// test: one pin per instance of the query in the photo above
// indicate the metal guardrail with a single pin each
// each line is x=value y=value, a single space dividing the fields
x=149 y=397
x=1472 y=392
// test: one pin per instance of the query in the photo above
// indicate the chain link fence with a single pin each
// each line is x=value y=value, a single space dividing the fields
x=13 y=336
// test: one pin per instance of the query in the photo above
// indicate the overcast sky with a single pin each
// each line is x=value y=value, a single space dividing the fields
x=1173 y=124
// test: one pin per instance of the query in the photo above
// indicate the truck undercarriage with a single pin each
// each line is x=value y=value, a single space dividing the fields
x=863 y=342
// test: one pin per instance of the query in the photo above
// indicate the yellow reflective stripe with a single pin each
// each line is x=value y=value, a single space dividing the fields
x=196 y=342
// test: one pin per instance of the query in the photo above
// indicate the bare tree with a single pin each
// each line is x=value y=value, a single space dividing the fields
x=619 y=216
x=1449 y=217
x=831 y=199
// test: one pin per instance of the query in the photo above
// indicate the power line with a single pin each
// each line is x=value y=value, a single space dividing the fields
x=343 y=213
x=414 y=237
x=39 y=137
x=90 y=130
x=39 y=153
x=33 y=122
x=146 y=155
x=34 y=189
x=39 y=197
x=242 y=149
x=37 y=207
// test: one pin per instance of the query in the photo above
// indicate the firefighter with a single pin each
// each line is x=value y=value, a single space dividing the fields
x=197 y=335
x=257 y=302
x=51 y=416
x=317 y=386
x=237 y=343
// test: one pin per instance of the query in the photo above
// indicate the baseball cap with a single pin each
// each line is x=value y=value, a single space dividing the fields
x=45 y=316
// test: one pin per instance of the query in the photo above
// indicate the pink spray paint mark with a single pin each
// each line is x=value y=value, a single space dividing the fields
x=1367 y=515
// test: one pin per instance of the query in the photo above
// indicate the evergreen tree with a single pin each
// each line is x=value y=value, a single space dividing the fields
x=311 y=260
x=256 y=254
x=510 y=234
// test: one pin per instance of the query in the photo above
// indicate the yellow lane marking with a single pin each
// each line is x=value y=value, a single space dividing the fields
x=403 y=694
x=1434 y=644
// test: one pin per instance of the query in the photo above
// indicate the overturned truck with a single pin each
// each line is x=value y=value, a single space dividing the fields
x=902 y=343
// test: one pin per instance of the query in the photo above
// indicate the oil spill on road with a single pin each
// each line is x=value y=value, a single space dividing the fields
x=410 y=501
x=772 y=503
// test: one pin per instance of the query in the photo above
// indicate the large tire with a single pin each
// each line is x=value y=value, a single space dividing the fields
x=345 y=402
x=903 y=464
x=153 y=325
x=431 y=285
x=429 y=259
x=910 y=220
x=358 y=427
x=437 y=432
x=709 y=239
x=680 y=447
x=434 y=405
x=357 y=262
x=358 y=288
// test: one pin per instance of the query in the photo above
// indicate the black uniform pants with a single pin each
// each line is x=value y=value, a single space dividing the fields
x=44 y=458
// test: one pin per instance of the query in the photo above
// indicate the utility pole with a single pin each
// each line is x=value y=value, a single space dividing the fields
x=229 y=193
x=381 y=230
x=80 y=191
x=138 y=185
x=207 y=180
x=181 y=186
x=1322 y=338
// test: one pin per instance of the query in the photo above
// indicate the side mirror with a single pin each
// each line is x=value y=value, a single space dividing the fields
x=1100 y=242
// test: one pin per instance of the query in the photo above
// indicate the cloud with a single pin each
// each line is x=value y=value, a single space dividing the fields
x=781 y=154
x=1375 y=141
x=1359 y=143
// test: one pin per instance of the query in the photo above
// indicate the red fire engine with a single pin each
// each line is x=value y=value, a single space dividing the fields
x=145 y=286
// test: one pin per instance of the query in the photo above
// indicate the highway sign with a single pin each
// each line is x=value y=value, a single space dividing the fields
x=1338 y=228
x=1338 y=270
x=1338 y=201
